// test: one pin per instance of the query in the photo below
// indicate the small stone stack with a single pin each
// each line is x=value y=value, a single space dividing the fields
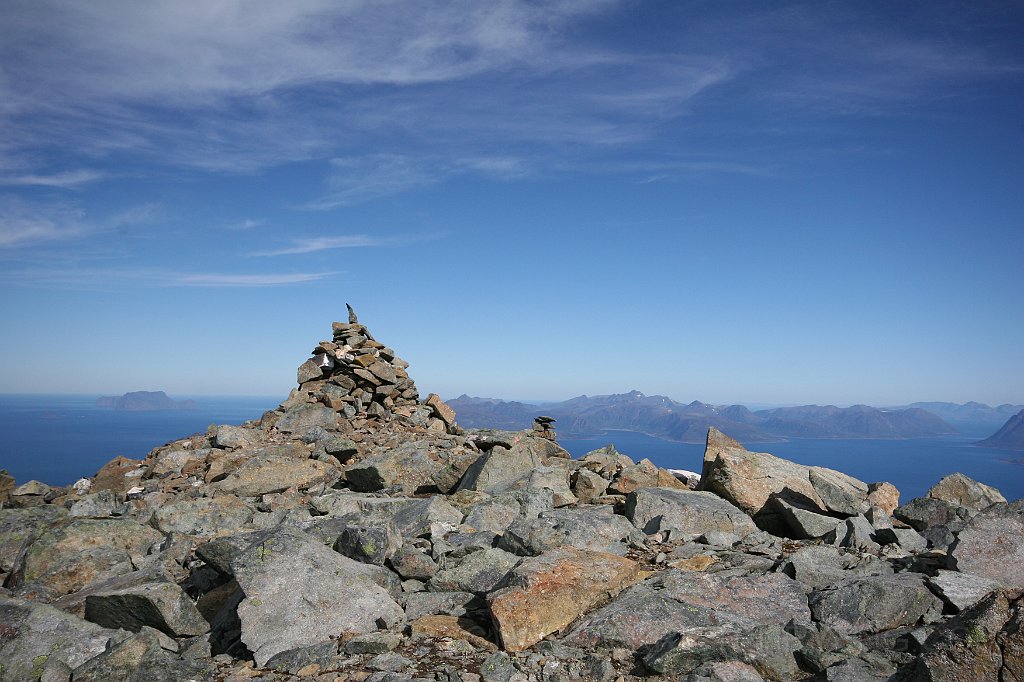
x=542 y=426
x=357 y=376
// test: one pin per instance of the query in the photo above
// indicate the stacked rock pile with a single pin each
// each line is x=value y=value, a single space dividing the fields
x=360 y=378
x=542 y=426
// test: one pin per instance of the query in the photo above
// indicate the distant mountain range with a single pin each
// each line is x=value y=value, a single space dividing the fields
x=970 y=414
x=1010 y=436
x=145 y=400
x=665 y=418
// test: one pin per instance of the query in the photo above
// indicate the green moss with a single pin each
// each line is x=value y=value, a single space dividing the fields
x=975 y=636
x=256 y=602
x=38 y=663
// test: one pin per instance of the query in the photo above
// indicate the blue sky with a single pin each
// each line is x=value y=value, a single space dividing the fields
x=816 y=202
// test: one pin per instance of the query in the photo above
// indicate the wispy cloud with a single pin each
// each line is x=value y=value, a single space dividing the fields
x=64 y=180
x=116 y=277
x=246 y=224
x=237 y=280
x=315 y=244
x=25 y=224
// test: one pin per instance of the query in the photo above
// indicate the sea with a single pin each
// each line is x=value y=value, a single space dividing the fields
x=58 y=439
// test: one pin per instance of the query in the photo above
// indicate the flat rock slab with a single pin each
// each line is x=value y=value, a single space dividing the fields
x=20 y=527
x=548 y=592
x=299 y=592
x=595 y=529
x=204 y=516
x=31 y=633
x=876 y=603
x=274 y=474
x=453 y=627
x=991 y=545
x=687 y=512
x=962 y=590
x=674 y=600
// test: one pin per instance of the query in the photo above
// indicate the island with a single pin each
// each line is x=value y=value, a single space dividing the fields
x=138 y=401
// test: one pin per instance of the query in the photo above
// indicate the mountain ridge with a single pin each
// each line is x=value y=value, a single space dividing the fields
x=669 y=419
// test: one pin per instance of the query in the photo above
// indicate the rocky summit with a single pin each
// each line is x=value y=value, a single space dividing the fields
x=357 y=533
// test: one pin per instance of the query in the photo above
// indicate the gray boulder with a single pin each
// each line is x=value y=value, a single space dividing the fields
x=991 y=545
x=876 y=603
x=675 y=601
x=478 y=572
x=686 y=513
x=161 y=605
x=497 y=512
x=592 y=528
x=369 y=539
x=219 y=515
x=767 y=648
x=961 y=590
x=819 y=566
x=805 y=524
x=33 y=633
x=305 y=417
x=298 y=592
x=273 y=474
x=147 y=656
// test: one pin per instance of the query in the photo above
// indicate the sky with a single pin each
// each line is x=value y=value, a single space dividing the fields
x=788 y=203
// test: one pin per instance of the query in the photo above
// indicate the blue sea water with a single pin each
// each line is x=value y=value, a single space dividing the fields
x=58 y=439
x=913 y=465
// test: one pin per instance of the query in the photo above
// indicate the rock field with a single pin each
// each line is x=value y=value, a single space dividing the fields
x=357 y=533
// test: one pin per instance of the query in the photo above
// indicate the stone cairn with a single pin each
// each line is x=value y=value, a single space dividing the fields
x=359 y=377
x=542 y=426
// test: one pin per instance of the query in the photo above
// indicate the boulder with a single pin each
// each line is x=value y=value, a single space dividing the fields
x=819 y=566
x=419 y=604
x=991 y=545
x=221 y=515
x=161 y=605
x=118 y=475
x=369 y=539
x=803 y=524
x=884 y=495
x=477 y=572
x=686 y=513
x=842 y=494
x=416 y=466
x=274 y=474
x=305 y=417
x=594 y=529
x=232 y=437
x=68 y=557
x=750 y=479
x=497 y=512
x=587 y=486
x=769 y=649
x=544 y=594
x=963 y=491
x=876 y=603
x=983 y=644
x=32 y=633
x=644 y=474
x=961 y=590
x=20 y=527
x=143 y=657
x=674 y=601
x=299 y=592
